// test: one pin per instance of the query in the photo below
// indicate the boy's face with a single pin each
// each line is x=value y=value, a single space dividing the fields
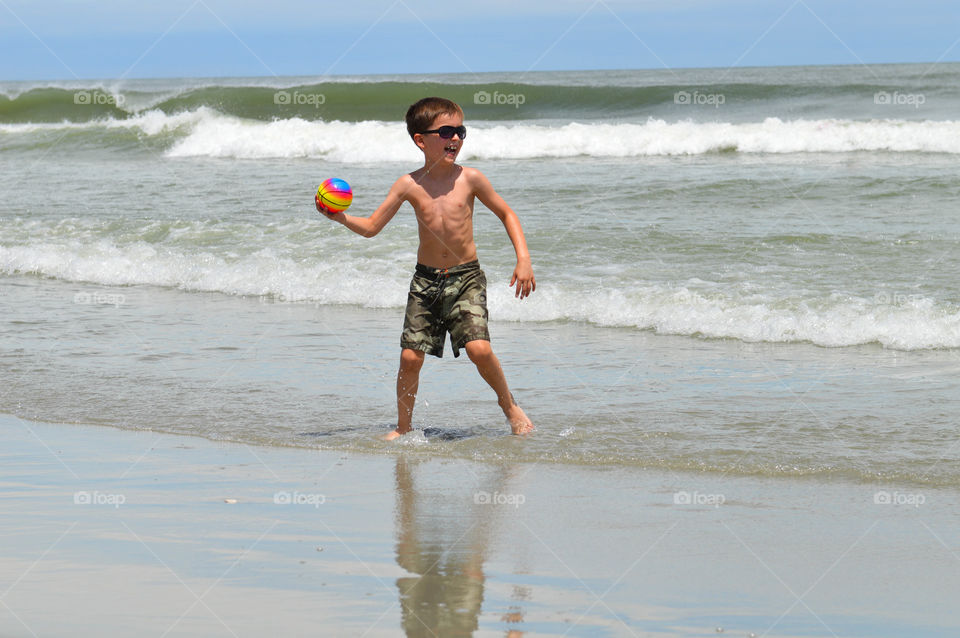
x=435 y=148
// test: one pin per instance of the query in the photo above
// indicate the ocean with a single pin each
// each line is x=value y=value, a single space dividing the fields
x=747 y=272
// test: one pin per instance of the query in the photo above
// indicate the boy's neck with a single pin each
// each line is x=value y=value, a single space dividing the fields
x=440 y=170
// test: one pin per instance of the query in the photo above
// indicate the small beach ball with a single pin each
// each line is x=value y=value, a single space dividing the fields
x=335 y=194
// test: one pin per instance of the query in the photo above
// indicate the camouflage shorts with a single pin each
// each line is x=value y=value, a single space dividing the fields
x=450 y=300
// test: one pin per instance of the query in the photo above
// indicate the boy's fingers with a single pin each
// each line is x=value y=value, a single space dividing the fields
x=523 y=286
x=320 y=206
x=323 y=210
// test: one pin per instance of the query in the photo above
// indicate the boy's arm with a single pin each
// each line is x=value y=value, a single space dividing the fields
x=523 y=273
x=370 y=226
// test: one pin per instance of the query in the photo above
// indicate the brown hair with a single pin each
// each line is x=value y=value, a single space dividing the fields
x=421 y=114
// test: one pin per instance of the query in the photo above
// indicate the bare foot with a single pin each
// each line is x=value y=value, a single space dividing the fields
x=395 y=434
x=519 y=423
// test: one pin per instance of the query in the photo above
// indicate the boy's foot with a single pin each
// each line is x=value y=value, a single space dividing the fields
x=519 y=423
x=396 y=434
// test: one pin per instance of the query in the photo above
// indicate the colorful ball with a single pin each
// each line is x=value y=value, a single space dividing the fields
x=335 y=194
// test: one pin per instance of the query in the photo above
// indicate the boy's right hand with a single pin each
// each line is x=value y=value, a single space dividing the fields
x=323 y=209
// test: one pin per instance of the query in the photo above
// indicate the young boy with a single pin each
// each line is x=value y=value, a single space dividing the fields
x=448 y=291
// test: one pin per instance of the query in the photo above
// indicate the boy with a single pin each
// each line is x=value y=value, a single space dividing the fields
x=448 y=291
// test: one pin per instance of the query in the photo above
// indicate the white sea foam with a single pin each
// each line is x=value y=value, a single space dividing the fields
x=834 y=321
x=765 y=316
x=258 y=274
x=152 y=122
x=344 y=142
x=221 y=136
x=204 y=132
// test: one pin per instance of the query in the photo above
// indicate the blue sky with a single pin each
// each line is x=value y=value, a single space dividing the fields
x=67 y=39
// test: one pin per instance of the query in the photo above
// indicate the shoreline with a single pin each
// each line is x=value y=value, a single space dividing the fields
x=276 y=374
x=414 y=446
x=118 y=531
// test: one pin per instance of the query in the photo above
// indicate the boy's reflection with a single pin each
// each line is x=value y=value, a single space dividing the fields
x=442 y=536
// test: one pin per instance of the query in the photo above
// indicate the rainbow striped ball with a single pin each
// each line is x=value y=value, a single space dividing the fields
x=335 y=194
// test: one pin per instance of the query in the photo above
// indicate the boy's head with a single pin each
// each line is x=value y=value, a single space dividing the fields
x=420 y=116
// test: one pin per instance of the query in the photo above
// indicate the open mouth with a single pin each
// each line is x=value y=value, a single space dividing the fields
x=451 y=148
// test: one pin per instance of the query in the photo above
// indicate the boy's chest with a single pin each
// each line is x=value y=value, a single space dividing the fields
x=445 y=208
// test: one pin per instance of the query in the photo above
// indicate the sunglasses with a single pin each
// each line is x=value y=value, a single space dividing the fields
x=446 y=132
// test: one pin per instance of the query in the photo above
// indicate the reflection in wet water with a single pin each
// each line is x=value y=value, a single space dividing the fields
x=443 y=537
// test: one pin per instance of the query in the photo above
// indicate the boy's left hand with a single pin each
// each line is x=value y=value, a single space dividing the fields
x=524 y=280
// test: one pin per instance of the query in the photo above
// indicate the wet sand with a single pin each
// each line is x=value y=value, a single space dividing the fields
x=115 y=533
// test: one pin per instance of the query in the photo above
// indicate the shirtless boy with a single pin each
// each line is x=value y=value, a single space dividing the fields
x=448 y=291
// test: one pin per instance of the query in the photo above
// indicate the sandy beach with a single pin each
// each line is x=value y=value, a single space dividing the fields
x=114 y=533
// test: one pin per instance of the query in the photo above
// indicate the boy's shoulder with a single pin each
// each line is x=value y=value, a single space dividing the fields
x=405 y=183
x=415 y=177
x=471 y=173
x=477 y=180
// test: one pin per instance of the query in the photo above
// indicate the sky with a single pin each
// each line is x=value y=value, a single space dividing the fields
x=123 y=39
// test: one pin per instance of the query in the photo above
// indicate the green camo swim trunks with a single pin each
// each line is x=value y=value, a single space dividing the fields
x=445 y=300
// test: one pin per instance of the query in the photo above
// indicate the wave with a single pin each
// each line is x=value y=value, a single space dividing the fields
x=344 y=101
x=282 y=263
x=207 y=133
x=487 y=97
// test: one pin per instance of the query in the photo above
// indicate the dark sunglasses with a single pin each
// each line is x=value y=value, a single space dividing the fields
x=446 y=132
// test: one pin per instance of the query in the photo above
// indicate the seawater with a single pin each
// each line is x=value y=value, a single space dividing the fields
x=748 y=271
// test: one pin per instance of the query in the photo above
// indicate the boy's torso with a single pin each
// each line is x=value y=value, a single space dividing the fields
x=444 y=209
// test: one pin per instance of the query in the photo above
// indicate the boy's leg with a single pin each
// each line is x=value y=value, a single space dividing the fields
x=408 y=380
x=488 y=366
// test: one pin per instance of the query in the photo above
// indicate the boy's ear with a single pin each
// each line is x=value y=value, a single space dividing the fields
x=418 y=140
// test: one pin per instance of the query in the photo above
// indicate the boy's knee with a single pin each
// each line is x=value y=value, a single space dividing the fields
x=478 y=350
x=411 y=359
